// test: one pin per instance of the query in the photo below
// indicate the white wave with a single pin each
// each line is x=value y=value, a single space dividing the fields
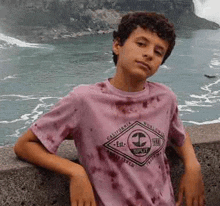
x=208 y=9
x=39 y=109
x=185 y=108
x=17 y=132
x=217 y=54
x=23 y=117
x=184 y=55
x=109 y=70
x=205 y=122
x=210 y=98
x=196 y=104
x=26 y=117
x=9 y=77
x=179 y=41
x=2 y=46
x=4 y=60
x=215 y=62
x=206 y=98
x=11 y=41
x=18 y=97
x=165 y=67
x=208 y=87
x=25 y=120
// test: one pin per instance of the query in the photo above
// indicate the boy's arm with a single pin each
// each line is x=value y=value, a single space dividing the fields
x=191 y=185
x=29 y=148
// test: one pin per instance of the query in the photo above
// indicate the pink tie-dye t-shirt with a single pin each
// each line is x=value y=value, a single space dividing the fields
x=121 y=139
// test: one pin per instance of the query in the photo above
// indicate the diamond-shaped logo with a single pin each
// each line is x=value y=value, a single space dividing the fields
x=138 y=143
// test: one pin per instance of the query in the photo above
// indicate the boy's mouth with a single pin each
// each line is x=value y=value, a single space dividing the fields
x=144 y=65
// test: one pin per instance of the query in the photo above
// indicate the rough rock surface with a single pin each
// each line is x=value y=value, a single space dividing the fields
x=49 y=20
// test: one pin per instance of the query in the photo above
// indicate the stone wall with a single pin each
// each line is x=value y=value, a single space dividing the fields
x=25 y=185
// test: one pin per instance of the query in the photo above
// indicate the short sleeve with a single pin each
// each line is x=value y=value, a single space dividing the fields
x=176 y=130
x=62 y=120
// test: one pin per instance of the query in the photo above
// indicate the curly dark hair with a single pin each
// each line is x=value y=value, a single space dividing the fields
x=151 y=21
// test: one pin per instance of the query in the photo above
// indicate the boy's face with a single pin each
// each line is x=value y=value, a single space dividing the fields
x=141 y=54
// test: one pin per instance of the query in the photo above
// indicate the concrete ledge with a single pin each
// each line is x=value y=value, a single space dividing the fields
x=27 y=185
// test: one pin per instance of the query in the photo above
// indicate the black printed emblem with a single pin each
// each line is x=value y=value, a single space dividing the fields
x=138 y=143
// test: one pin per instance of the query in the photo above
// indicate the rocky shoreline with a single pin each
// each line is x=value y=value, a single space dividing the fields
x=50 y=35
x=100 y=21
x=53 y=20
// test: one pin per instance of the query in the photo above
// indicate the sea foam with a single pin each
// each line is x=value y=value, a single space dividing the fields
x=7 y=41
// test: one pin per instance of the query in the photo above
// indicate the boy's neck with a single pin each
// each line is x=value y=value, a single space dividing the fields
x=127 y=84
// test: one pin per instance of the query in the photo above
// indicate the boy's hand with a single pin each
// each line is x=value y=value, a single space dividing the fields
x=81 y=192
x=192 y=187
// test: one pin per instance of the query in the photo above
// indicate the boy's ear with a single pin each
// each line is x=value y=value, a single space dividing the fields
x=116 y=45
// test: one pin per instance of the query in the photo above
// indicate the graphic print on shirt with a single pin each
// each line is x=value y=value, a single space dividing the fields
x=138 y=143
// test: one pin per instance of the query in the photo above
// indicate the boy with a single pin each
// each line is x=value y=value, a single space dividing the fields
x=121 y=128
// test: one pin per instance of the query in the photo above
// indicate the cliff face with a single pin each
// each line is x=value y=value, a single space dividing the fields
x=160 y=5
x=44 y=20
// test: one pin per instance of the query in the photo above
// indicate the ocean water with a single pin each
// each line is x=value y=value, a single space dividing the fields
x=33 y=77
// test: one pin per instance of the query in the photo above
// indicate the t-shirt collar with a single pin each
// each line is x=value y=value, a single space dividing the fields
x=127 y=94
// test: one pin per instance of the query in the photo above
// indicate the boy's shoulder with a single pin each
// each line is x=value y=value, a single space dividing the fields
x=86 y=88
x=82 y=88
x=83 y=91
x=159 y=87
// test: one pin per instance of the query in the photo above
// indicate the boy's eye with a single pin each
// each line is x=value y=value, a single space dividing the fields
x=141 y=44
x=159 y=53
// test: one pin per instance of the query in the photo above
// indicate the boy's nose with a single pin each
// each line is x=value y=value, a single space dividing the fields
x=148 y=54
